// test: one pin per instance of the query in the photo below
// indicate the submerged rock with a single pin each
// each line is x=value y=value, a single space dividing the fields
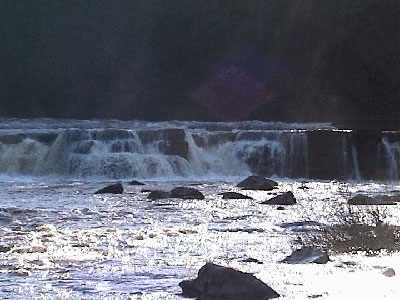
x=300 y=225
x=255 y=182
x=284 y=199
x=389 y=272
x=234 y=195
x=365 y=200
x=186 y=193
x=252 y=260
x=307 y=255
x=217 y=282
x=154 y=195
x=135 y=182
x=111 y=189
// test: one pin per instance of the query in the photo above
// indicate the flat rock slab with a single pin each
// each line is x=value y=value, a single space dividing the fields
x=307 y=255
x=217 y=282
x=111 y=189
x=257 y=183
x=284 y=199
x=300 y=225
x=365 y=200
x=234 y=195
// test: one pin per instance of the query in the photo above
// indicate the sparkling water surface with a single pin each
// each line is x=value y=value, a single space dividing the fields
x=60 y=241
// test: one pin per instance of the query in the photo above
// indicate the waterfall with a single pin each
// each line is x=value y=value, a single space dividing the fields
x=184 y=150
x=390 y=158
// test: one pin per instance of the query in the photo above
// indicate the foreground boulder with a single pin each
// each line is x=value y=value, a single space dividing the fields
x=365 y=200
x=111 y=189
x=307 y=255
x=186 y=193
x=234 y=195
x=217 y=282
x=135 y=182
x=284 y=199
x=257 y=183
x=154 y=195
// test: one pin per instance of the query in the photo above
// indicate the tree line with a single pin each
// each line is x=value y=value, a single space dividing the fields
x=306 y=60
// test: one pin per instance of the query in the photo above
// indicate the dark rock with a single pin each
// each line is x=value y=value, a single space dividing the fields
x=46 y=138
x=84 y=147
x=145 y=191
x=388 y=199
x=171 y=141
x=111 y=134
x=284 y=199
x=233 y=195
x=366 y=143
x=4 y=248
x=324 y=154
x=111 y=189
x=154 y=195
x=217 y=282
x=12 y=138
x=300 y=225
x=365 y=200
x=280 y=208
x=255 y=182
x=307 y=255
x=186 y=193
x=252 y=260
x=383 y=125
x=135 y=182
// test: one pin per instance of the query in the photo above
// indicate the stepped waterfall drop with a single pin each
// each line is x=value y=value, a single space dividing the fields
x=192 y=150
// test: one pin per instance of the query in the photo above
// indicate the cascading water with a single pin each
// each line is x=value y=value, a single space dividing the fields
x=83 y=149
x=389 y=153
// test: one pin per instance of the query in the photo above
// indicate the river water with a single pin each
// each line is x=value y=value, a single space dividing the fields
x=58 y=240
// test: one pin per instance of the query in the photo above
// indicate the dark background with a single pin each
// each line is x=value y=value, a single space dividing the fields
x=299 y=60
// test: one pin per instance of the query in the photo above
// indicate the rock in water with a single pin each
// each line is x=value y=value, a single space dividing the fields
x=257 y=183
x=135 y=182
x=284 y=199
x=389 y=272
x=186 y=193
x=233 y=195
x=365 y=200
x=217 y=282
x=154 y=195
x=307 y=255
x=111 y=189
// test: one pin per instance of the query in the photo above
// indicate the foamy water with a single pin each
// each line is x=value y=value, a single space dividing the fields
x=60 y=241
x=65 y=242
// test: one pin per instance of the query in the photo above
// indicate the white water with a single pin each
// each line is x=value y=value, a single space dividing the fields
x=391 y=154
x=149 y=151
x=60 y=241
x=169 y=150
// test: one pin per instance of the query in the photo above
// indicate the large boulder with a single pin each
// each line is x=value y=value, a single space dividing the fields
x=155 y=195
x=284 y=199
x=186 y=193
x=307 y=255
x=111 y=189
x=217 y=282
x=255 y=182
x=234 y=195
x=365 y=200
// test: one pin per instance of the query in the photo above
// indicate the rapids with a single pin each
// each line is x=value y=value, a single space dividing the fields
x=60 y=241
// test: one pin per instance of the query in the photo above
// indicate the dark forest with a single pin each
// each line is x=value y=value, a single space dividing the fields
x=272 y=60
